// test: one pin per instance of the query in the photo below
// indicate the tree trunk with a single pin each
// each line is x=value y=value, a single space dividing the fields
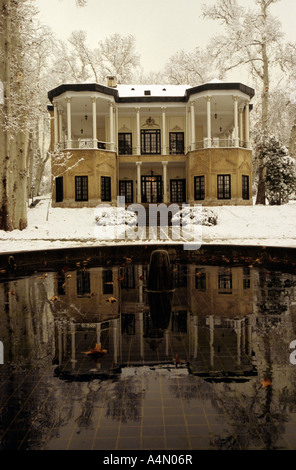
x=13 y=209
x=292 y=142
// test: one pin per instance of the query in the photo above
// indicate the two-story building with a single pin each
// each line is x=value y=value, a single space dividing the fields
x=151 y=144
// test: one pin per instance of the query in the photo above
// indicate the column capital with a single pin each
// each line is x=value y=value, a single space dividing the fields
x=93 y=99
x=68 y=99
x=192 y=103
x=208 y=98
x=235 y=97
x=137 y=109
x=139 y=163
x=165 y=163
x=163 y=109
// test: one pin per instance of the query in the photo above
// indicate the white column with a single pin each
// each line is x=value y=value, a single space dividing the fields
x=165 y=190
x=94 y=121
x=164 y=152
x=138 y=147
x=73 y=346
x=111 y=126
x=247 y=124
x=212 y=338
x=192 y=112
x=209 y=122
x=139 y=181
x=69 y=126
x=187 y=147
x=241 y=134
x=56 y=126
x=60 y=125
x=235 y=110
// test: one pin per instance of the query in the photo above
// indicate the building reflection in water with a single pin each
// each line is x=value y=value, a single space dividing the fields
x=230 y=327
x=207 y=319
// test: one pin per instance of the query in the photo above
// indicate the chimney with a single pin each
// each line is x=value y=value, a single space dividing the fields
x=111 y=81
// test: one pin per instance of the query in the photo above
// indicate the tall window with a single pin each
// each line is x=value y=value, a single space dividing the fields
x=200 y=280
x=125 y=143
x=199 y=188
x=81 y=188
x=126 y=189
x=107 y=281
x=225 y=283
x=176 y=143
x=223 y=187
x=105 y=188
x=59 y=189
x=178 y=190
x=83 y=282
x=150 y=141
x=245 y=187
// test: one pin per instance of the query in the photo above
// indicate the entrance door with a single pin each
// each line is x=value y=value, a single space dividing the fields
x=126 y=189
x=178 y=190
x=151 y=189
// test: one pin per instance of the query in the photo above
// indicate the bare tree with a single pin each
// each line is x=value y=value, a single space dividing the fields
x=191 y=68
x=118 y=56
x=252 y=38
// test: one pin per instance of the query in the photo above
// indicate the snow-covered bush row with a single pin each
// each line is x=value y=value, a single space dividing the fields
x=110 y=216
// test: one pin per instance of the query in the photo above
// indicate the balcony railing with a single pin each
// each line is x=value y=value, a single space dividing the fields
x=86 y=144
x=217 y=142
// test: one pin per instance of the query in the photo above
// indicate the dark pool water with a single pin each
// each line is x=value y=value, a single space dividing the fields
x=207 y=368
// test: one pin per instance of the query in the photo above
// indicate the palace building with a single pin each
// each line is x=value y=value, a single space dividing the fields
x=151 y=144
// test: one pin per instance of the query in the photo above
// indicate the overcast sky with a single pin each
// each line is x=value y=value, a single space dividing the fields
x=161 y=27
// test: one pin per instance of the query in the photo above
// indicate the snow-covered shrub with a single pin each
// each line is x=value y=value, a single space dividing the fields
x=280 y=169
x=202 y=216
x=105 y=215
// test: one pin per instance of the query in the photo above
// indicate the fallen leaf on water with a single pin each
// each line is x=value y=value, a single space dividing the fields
x=266 y=382
x=178 y=360
x=97 y=350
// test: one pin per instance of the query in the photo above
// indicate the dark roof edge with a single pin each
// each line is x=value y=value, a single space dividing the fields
x=221 y=86
x=148 y=99
x=82 y=87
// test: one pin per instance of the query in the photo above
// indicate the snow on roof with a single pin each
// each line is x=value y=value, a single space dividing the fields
x=151 y=90
x=216 y=80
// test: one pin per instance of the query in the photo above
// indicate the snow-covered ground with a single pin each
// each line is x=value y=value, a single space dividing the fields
x=51 y=228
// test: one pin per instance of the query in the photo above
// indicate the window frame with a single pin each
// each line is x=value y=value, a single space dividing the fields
x=127 y=147
x=83 y=190
x=179 y=144
x=202 y=190
x=225 y=194
x=105 y=190
x=245 y=187
x=147 y=149
x=59 y=186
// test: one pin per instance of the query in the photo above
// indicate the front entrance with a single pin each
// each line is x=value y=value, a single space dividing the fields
x=178 y=190
x=151 y=188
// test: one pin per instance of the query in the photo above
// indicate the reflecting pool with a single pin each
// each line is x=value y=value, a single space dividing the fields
x=93 y=361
